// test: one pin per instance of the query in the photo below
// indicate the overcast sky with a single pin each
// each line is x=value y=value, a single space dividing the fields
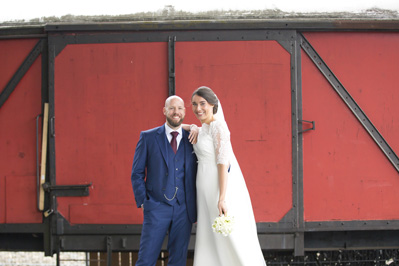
x=29 y=9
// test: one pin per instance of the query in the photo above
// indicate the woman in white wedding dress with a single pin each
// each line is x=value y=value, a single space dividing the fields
x=221 y=189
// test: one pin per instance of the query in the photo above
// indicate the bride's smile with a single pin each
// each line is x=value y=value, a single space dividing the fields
x=202 y=109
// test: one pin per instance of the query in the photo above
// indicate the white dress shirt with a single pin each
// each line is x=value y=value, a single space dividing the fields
x=168 y=130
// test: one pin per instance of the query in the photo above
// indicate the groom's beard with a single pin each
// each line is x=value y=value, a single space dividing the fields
x=173 y=123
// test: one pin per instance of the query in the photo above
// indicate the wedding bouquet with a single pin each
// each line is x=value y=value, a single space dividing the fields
x=223 y=225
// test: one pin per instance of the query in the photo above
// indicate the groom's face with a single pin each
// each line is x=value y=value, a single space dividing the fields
x=174 y=112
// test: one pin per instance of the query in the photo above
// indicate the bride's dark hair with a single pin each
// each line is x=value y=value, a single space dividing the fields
x=208 y=95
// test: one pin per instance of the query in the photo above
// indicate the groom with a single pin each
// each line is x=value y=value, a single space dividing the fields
x=163 y=179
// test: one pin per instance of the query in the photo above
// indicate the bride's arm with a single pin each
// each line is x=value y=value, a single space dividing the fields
x=223 y=176
x=194 y=130
x=223 y=150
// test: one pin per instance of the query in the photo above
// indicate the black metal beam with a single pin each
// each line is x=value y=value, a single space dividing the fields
x=171 y=65
x=50 y=200
x=93 y=237
x=305 y=24
x=21 y=242
x=313 y=241
x=21 y=228
x=22 y=32
x=351 y=240
x=369 y=225
x=285 y=37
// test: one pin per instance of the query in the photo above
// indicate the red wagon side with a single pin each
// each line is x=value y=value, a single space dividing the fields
x=311 y=108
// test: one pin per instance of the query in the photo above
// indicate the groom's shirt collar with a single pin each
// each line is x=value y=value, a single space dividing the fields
x=168 y=130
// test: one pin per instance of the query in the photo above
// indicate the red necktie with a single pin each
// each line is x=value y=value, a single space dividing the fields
x=173 y=142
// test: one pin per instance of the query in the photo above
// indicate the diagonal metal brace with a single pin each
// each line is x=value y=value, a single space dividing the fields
x=29 y=60
x=350 y=102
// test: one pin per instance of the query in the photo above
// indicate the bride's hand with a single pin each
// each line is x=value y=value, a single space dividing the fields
x=222 y=206
x=193 y=137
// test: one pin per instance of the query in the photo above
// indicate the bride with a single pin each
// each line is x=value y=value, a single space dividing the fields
x=221 y=190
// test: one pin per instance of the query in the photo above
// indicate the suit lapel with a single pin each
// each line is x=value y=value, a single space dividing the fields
x=162 y=142
x=187 y=150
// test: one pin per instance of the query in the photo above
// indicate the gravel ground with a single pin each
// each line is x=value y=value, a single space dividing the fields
x=38 y=259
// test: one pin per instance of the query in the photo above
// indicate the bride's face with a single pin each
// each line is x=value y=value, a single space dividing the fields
x=202 y=109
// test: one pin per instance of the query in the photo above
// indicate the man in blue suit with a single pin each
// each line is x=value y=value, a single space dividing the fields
x=163 y=178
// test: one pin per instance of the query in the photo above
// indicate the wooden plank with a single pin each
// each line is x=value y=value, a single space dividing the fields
x=44 y=157
x=93 y=259
x=125 y=258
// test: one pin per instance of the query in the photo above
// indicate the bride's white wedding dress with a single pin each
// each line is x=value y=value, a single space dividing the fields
x=242 y=246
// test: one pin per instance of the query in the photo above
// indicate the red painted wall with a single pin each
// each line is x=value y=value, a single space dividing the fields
x=346 y=176
x=18 y=135
x=252 y=80
x=105 y=94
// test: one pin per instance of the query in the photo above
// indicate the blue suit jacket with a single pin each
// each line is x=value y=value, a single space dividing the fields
x=150 y=169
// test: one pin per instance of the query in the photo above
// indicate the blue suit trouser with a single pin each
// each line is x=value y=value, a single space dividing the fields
x=157 y=222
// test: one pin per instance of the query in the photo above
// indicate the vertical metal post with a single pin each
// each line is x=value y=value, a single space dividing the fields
x=171 y=64
x=297 y=149
x=58 y=258
x=48 y=219
x=109 y=251
x=45 y=73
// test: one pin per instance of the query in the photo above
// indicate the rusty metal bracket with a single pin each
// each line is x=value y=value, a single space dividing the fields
x=305 y=121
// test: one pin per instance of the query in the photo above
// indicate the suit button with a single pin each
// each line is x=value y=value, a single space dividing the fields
x=163 y=189
x=166 y=174
x=177 y=169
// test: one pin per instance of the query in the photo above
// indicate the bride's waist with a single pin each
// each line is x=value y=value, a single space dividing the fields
x=206 y=160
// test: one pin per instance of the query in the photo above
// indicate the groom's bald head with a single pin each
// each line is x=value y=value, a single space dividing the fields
x=170 y=98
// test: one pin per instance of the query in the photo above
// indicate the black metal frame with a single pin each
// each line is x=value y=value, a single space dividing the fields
x=292 y=232
x=293 y=221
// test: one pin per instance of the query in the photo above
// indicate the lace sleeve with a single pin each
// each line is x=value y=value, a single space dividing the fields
x=221 y=142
